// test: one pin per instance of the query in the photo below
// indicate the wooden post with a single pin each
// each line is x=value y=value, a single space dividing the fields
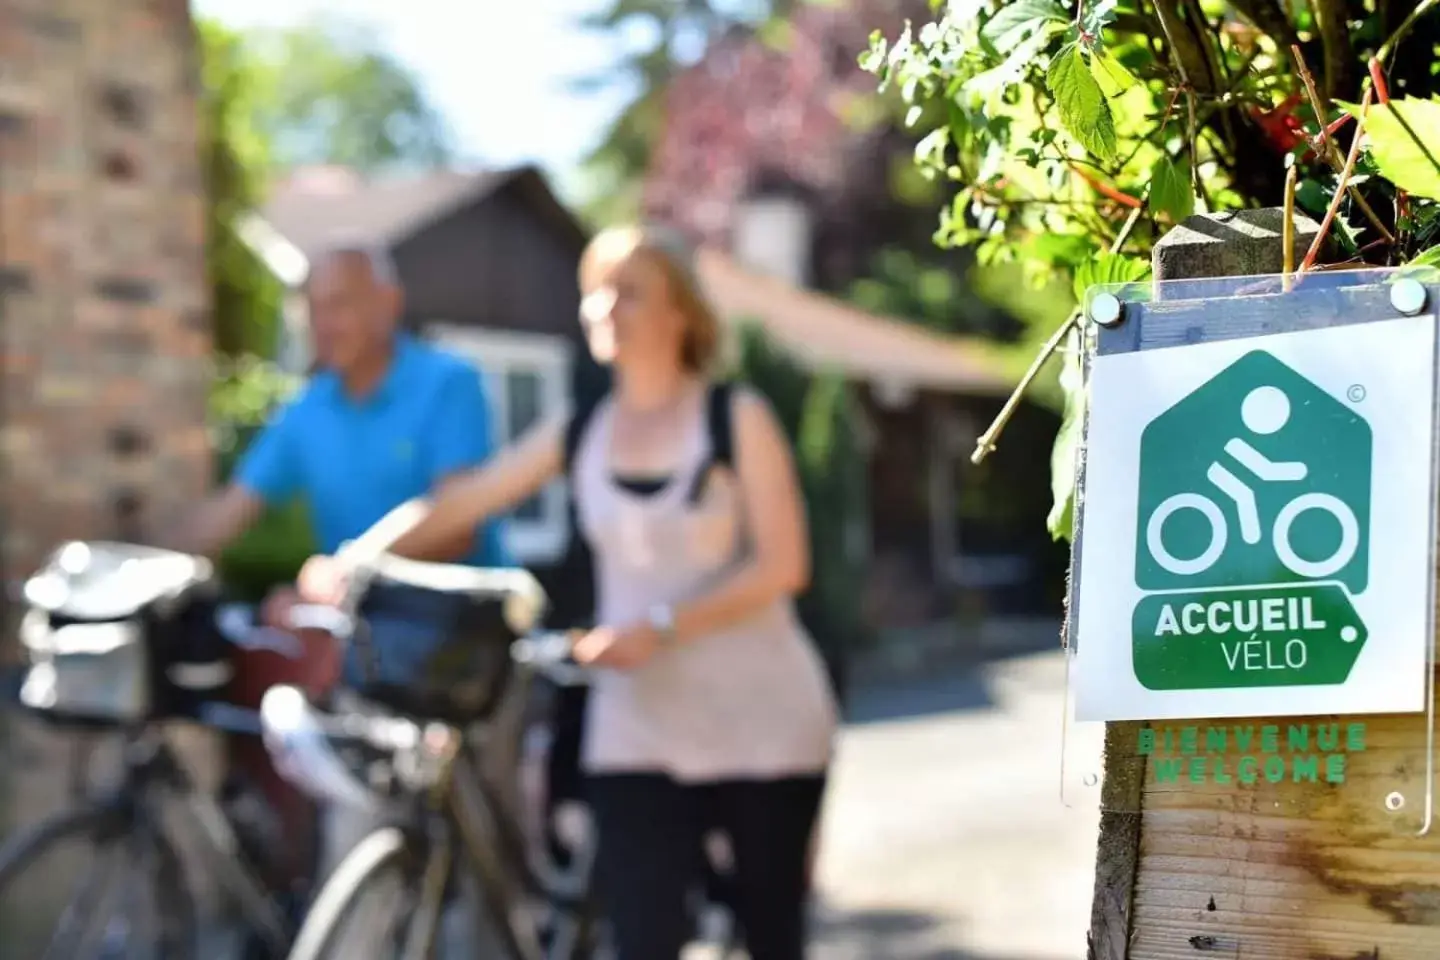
x=1242 y=243
x=1230 y=244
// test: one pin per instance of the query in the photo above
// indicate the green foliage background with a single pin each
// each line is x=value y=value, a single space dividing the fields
x=1071 y=135
x=323 y=92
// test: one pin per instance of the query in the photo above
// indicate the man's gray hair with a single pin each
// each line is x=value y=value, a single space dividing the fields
x=381 y=263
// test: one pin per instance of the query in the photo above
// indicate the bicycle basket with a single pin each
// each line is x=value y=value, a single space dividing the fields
x=436 y=655
x=107 y=634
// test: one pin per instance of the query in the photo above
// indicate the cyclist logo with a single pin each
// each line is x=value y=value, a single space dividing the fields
x=1254 y=503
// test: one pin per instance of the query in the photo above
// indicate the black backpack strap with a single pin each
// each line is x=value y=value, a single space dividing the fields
x=720 y=422
x=575 y=430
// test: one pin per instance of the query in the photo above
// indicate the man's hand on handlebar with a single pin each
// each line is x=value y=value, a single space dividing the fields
x=323 y=579
x=275 y=611
x=312 y=662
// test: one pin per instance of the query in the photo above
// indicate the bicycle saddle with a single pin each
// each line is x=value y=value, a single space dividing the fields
x=100 y=580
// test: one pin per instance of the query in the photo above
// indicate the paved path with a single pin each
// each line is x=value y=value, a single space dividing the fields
x=944 y=836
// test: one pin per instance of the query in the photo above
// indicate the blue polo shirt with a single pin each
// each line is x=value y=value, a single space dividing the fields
x=354 y=461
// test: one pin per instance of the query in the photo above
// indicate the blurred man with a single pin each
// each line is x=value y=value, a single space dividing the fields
x=384 y=419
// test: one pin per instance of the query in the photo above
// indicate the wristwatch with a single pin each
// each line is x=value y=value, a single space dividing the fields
x=662 y=618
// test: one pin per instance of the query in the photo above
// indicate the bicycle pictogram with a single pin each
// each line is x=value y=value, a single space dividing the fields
x=1265 y=411
x=1251 y=539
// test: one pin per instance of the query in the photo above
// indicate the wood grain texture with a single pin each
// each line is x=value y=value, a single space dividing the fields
x=1294 y=871
x=1282 y=871
x=1117 y=858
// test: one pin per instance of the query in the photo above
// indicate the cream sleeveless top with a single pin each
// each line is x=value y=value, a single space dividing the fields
x=749 y=701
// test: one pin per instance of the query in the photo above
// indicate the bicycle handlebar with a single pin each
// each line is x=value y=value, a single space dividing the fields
x=549 y=654
x=301 y=737
x=318 y=616
x=546 y=653
x=287 y=706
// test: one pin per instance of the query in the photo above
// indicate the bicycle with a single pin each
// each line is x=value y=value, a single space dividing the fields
x=712 y=908
x=1264 y=411
x=415 y=741
x=125 y=639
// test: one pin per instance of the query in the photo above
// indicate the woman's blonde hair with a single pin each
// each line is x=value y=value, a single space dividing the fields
x=676 y=259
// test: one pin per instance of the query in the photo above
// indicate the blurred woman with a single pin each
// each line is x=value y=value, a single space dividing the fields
x=709 y=704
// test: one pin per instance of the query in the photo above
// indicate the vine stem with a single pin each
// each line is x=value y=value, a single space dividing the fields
x=1382 y=97
x=1388 y=47
x=1315 y=244
x=1291 y=173
x=985 y=445
x=1328 y=149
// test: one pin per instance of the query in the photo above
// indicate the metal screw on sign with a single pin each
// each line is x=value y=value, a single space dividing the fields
x=1106 y=309
x=1408 y=296
x=1394 y=801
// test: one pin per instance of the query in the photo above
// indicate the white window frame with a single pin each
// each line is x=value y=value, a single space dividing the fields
x=495 y=353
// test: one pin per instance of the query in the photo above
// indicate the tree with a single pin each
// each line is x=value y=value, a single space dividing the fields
x=678 y=32
x=245 y=297
x=903 y=284
x=322 y=93
x=234 y=155
x=1074 y=134
x=331 y=94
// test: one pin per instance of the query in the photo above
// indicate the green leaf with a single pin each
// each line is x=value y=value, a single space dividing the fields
x=1110 y=73
x=1014 y=21
x=1083 y=109
x=1108 y=268
x=1098 y=16
x=930 y=151
x=1012 y=69
x=1170 y=191
x=1059 y=249
x=1428 y=258
x=1405 y=143
x=1312 y=196
x=1065 y=454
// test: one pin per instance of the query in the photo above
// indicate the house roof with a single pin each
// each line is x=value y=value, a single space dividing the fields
x=823 y=332
x=321 y=206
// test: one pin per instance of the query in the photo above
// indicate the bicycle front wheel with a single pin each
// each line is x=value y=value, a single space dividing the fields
x=94 y=884
x=362 y=908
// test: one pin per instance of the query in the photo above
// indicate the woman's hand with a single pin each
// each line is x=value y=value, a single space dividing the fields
x=621 y=648
x=323 y=580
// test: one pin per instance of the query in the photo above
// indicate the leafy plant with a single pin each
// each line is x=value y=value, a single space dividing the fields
x=330 y=93
x=1073 y=134
x=659 y=40
x=234 y=155
x=245 y=395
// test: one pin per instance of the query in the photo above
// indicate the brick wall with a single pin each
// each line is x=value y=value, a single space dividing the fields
x=104 y=330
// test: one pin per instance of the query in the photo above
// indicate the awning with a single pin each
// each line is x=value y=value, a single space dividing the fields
x=822 y=332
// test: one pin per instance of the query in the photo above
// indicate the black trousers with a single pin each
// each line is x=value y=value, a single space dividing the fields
x=651 y=858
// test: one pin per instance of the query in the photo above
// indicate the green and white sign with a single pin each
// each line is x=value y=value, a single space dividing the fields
x=1257 y=524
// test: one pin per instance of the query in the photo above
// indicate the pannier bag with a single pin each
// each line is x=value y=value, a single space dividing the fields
x=119 y=634
x=431 y=654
